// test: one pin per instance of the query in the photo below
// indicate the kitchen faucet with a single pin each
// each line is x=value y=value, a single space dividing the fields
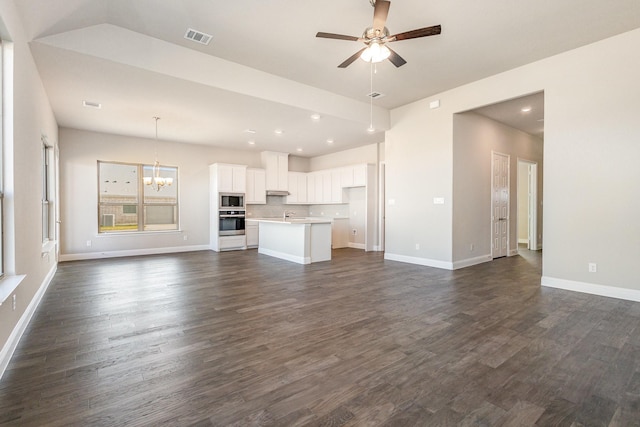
x=287 y=214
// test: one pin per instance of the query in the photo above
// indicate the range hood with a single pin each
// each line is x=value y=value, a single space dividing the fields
x=277 y=193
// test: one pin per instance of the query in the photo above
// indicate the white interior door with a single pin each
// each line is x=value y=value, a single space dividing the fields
x=499 y=204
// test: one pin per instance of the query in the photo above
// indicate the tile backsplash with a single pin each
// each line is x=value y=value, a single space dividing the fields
x=275 y=207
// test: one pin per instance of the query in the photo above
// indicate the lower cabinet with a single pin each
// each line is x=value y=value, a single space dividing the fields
x=227 y=243
x=251 y=232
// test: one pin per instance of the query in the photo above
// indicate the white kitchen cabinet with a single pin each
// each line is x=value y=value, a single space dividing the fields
x=256 y=187
x=311 y=188
x=353 y=176
x=230 y=178
x=297 y=188
x=229 y=243
x=251 y=231
x=340 y=233
x=276 y=166
x=327 y=187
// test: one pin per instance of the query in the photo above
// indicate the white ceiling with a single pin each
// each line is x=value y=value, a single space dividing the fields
x=265 y=69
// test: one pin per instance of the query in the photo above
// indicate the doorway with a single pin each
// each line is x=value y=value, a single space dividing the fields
x=499 y=204
x=527 y=219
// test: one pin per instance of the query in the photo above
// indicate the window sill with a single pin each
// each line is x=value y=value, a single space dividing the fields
x=48 y=246
x=8 y=284
x=138 y=233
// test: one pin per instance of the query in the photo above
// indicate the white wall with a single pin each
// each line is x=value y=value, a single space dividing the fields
x=474 y=138
x=79 y=153
x=27 y=116
x=590 y=165
x=365 y=154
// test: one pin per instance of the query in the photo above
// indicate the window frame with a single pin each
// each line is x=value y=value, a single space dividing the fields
x=139 y=203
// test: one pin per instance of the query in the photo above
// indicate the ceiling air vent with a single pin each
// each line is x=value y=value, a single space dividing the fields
x=197 y=36
x=92 y=104
x=375 y=95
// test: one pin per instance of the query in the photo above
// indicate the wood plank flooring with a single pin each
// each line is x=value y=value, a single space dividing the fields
x=242 y=339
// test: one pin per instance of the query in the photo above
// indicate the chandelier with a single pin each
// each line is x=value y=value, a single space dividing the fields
x=155 y=181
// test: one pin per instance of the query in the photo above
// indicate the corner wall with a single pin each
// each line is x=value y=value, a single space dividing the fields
x=27 y=116
x=590 y=166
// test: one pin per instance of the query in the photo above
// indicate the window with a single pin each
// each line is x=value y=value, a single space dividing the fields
x=1 y=162
x=126 y=204
x=46 y=191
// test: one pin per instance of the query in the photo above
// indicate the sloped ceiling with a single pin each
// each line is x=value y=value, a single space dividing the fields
x=265 y=69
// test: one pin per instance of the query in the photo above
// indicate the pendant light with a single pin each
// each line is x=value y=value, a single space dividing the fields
x=155 y=181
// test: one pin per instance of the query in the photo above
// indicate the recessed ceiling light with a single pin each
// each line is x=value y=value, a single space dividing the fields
x=329 y=141
x=251 y=143
x=299 y=150
x=250 y=131
x=279 y=131
x=91 y=104
x=315 y=117
x=526 y=109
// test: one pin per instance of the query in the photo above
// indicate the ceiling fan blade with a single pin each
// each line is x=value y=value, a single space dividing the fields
x=414 y=34
x=380 y=12
x=396 y=59
x=351 y=59
x=337 y=36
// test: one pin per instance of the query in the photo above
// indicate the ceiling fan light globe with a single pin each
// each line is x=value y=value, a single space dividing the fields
x=376 y=52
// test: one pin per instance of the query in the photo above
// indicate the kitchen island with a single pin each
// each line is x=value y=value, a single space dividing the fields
x=300 y=240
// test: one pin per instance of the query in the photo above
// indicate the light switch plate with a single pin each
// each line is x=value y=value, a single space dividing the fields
x=438 y=200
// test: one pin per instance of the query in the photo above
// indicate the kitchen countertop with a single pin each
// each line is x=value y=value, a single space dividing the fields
x=294 y=220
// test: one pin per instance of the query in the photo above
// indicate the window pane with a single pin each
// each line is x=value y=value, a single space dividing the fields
x=118 y=186
x=113 y=218
x=160 y=217
x=118 y=183
x=167 y=192
x=163 y=194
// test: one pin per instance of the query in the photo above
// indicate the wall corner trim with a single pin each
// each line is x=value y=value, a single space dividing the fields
x=14 y=338
x=591 y=288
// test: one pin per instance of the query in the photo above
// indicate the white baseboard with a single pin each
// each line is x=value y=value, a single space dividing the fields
x=14 y=338
x=132 y=252
x=419 y=261
x=471 y=261
x=524 y=241
x=591 y=288
x=512 y=252
x=357 y=245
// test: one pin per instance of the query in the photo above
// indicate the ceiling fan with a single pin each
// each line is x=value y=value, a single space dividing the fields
x=377 y=36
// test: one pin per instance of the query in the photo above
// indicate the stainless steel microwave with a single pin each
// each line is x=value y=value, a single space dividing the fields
x=231 y=200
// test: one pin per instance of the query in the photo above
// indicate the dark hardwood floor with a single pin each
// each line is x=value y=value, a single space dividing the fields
x=243 y=339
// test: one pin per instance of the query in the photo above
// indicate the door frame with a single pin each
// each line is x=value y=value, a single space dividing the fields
x=508 y=156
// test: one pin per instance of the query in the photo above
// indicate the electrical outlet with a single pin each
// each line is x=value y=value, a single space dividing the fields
x=185 y=237
x=14 y=302
x=417 y=246
x=471 y=247
x=88 y=242
x=354 y=231
x=593 y=267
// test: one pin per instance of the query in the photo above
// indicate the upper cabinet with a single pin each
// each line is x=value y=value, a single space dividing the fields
x=277 y=170
x=256 y=187
x=229 y=178
x=354 y=176
x=297 y=188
